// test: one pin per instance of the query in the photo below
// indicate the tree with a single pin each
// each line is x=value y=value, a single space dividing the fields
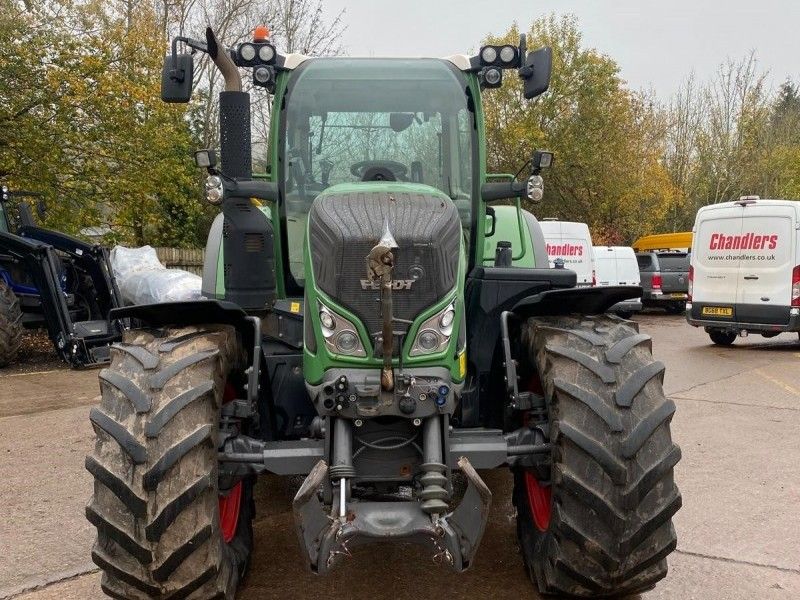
x=82 y=122
x=608 y=140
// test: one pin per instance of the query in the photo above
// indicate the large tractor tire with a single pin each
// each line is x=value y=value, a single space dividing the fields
x=601 y=526
x=164 y=530
x=10 y=325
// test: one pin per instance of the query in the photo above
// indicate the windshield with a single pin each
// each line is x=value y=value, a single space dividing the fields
x=351 y=120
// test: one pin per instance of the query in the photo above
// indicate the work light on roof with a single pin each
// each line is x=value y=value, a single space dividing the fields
x=505 y=57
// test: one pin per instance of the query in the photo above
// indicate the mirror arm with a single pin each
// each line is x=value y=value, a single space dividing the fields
x=263 y=190
x=503 y=190
x=178 y=74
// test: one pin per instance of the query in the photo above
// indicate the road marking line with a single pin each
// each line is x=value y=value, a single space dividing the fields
x=779 y=383
x=34 y=373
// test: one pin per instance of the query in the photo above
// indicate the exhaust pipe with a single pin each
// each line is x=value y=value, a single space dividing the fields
x=233 y=81
x=249 y=238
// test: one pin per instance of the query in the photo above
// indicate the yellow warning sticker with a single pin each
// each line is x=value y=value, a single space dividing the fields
x=462 y=364
x=294 y=307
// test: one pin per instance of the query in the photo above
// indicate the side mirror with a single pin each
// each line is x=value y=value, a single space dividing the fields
x=176 y=78
x=536 y=72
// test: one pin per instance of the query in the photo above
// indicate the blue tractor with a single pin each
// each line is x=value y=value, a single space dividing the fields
x=55 y=281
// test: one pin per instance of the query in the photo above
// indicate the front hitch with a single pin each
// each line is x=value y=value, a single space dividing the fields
x=326 y=538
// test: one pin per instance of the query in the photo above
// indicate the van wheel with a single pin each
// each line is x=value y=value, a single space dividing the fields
x=722 y=338
x=675 y=309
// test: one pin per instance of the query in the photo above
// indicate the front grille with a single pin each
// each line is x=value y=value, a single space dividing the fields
x=343 y=228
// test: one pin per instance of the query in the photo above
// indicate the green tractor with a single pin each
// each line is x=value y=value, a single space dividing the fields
x=381 y=320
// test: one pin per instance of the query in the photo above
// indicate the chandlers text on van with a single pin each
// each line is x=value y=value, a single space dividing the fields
x=747 y=241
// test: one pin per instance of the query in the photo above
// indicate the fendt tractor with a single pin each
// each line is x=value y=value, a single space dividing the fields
x=380 y=319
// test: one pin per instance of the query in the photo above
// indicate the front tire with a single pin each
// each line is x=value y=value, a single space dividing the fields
x=601 y=525
x=156 y=504
x=722 y=338
x=10 y=325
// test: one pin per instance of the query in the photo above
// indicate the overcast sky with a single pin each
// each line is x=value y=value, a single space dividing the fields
x=656 y=43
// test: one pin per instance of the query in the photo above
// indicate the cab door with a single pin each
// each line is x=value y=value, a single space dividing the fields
x=765 y=269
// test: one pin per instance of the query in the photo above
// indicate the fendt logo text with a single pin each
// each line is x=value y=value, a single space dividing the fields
x=397 y=284
x=564 y=250
x=747 y=241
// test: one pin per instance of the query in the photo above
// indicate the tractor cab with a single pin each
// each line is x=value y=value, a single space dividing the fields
x=346 y=121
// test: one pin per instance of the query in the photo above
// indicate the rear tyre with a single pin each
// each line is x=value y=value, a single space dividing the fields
x=601 y=526
x=722 y=338
x=164 y=530
x=10 y=325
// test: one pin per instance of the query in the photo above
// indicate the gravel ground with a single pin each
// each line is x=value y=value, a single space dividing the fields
x=36 y=354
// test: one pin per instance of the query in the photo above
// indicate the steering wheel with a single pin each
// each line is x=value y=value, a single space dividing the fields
x=379 y=170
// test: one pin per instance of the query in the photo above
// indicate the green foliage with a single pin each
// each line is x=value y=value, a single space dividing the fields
x=607 y=139
x=83 y=123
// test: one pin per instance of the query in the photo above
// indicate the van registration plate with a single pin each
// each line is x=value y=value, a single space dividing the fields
x=717 y=311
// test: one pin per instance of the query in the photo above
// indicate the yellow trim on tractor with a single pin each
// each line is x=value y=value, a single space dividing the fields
x=681 y=240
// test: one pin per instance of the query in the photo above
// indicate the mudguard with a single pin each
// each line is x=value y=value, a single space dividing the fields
x=192 y=312
x=583 y=300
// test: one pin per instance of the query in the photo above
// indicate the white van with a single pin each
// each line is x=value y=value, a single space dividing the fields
x=572 y=243
x=745 y=269
x=617 y=265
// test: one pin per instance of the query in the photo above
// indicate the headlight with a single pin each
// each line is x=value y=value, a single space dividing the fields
x=346 y=342
x=447 y=319
x=247 y=52
x=340 y=334
x=428 y=340
x=213 y=189
x=489 y=54
x=266 y=53
x=434 y=334
x=493 y=76
x=507 y=54
x=326 y=318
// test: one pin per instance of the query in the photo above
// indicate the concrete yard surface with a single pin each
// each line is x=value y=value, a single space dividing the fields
x=738 y=424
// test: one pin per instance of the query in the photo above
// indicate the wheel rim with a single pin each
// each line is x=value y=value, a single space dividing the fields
x=230 y=504
x=229 y=512
x=539 y=501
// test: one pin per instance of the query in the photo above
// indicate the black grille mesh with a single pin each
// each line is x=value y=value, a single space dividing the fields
x=343 y=228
